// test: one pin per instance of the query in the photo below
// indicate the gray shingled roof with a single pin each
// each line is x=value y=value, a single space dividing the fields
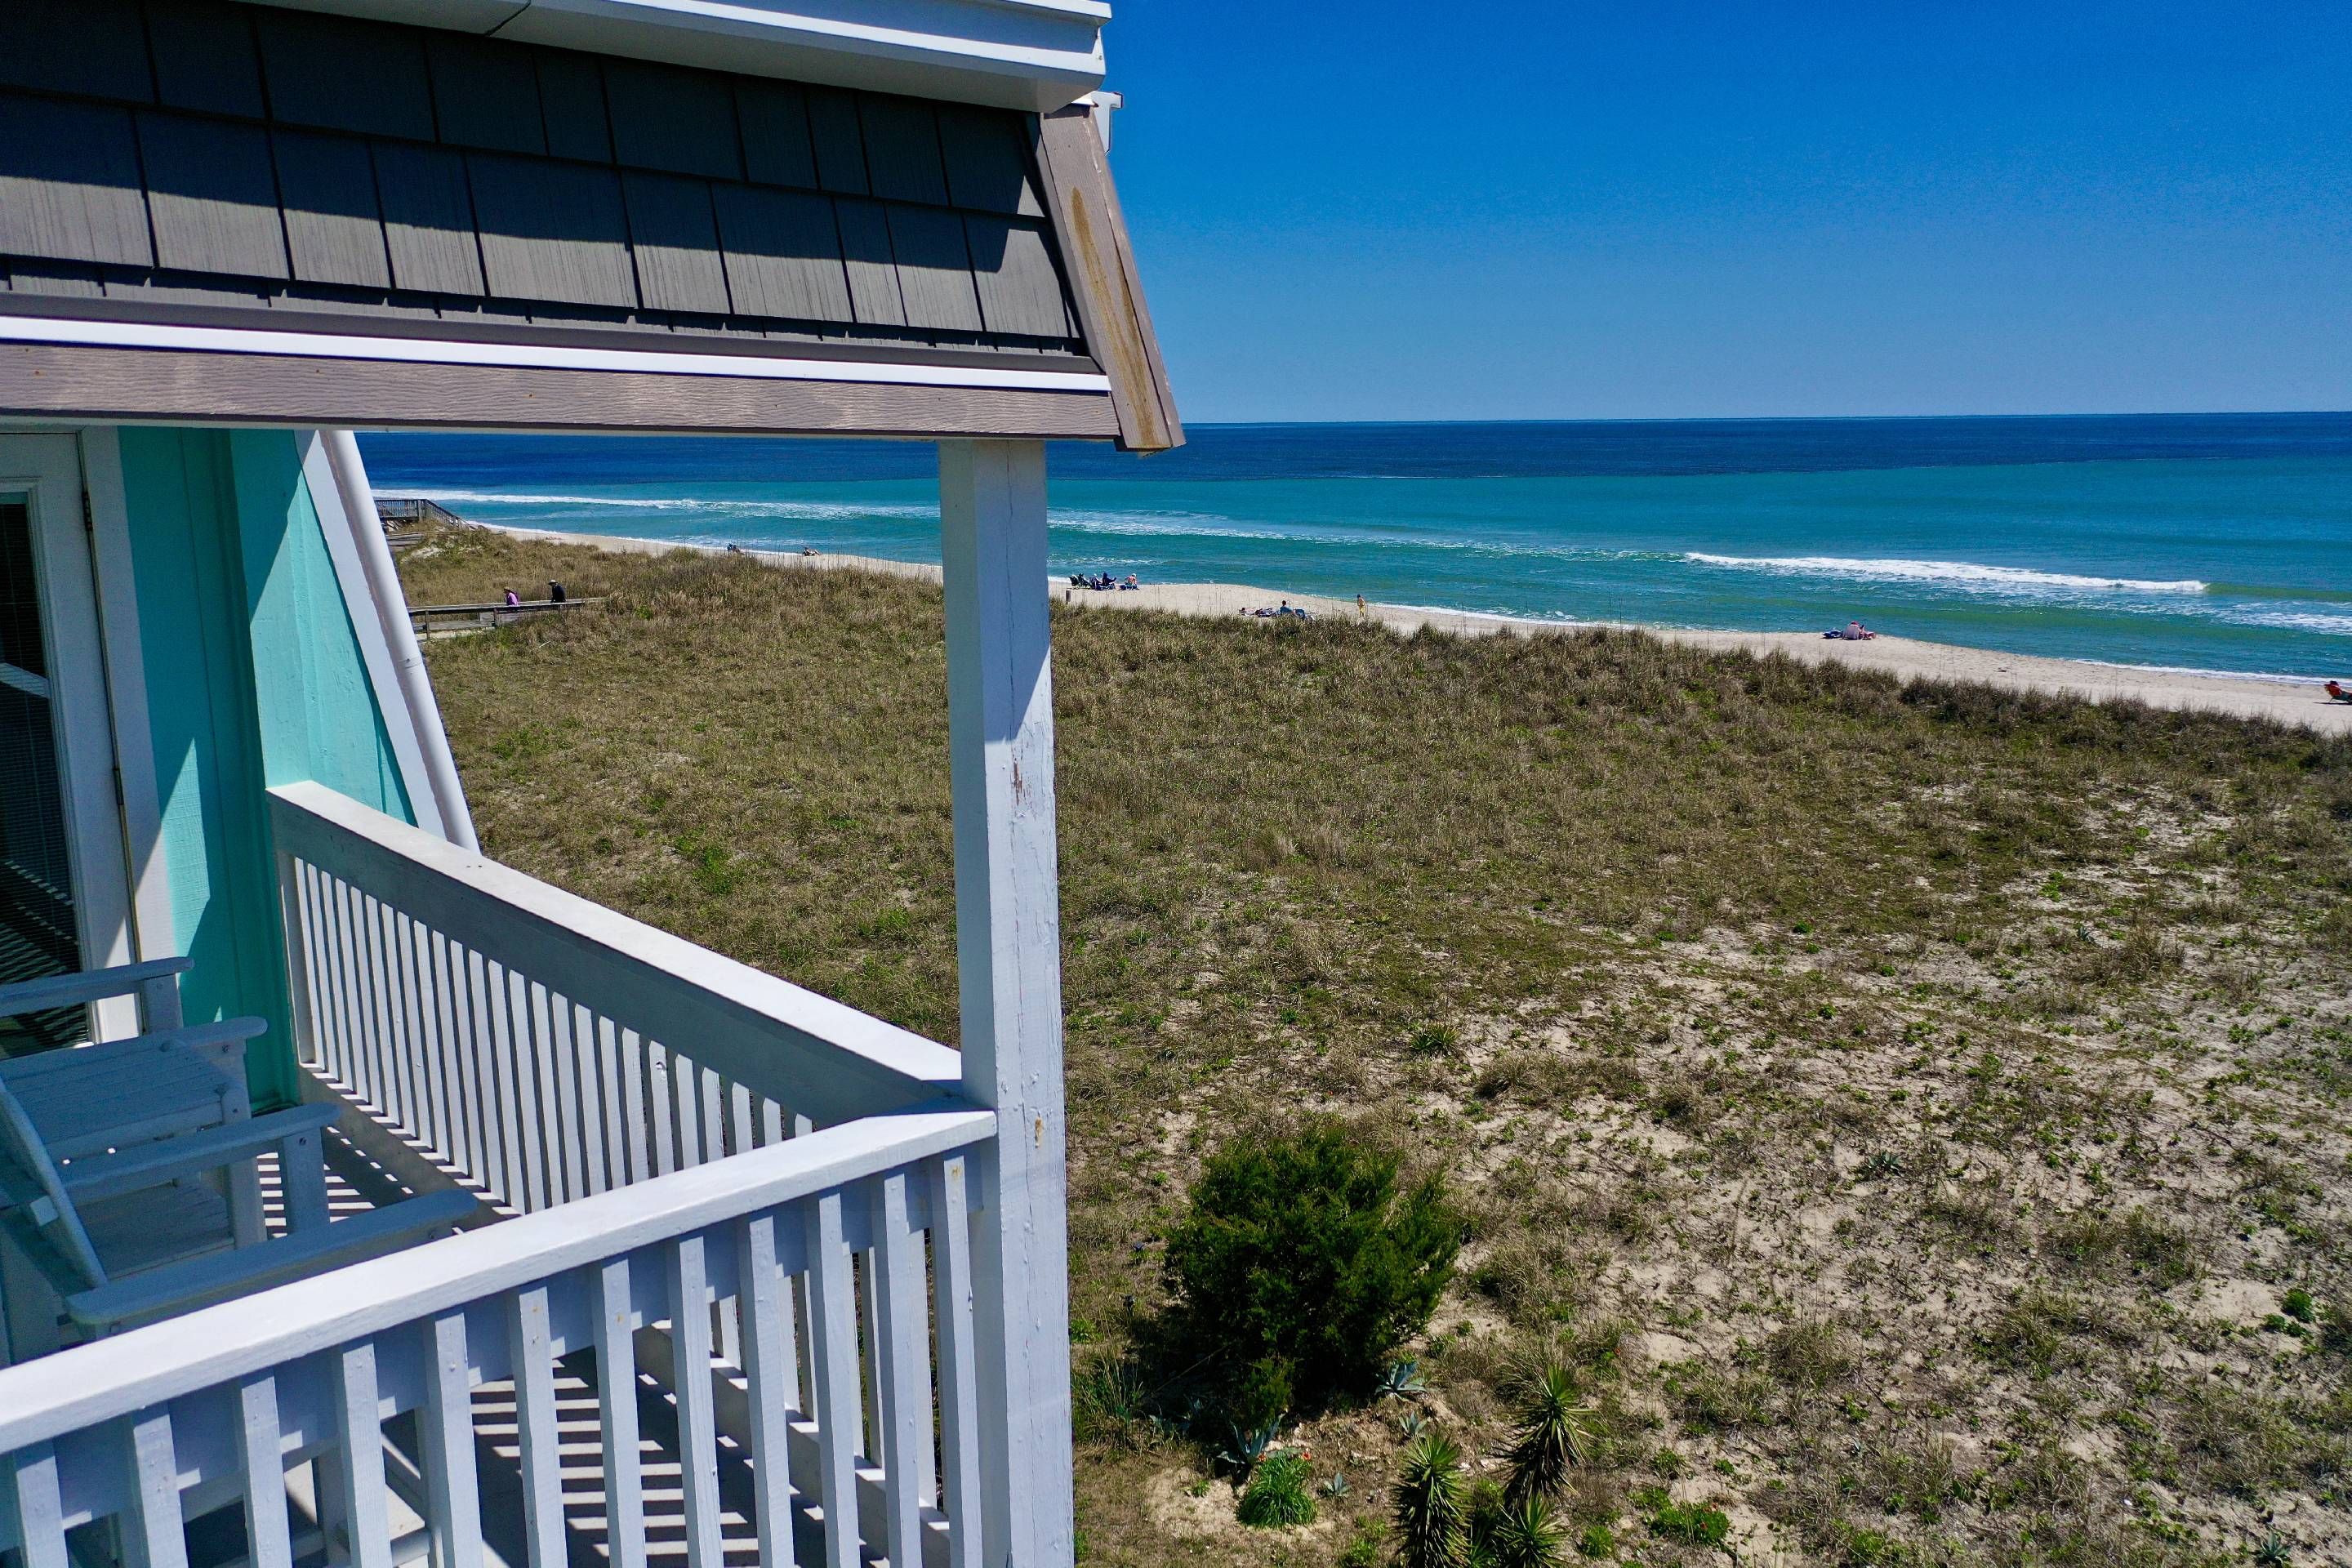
x=210 y=160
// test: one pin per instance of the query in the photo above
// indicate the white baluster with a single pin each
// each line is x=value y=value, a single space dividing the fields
x=527 y=1338
x=40 y=1513
x=616 y=1401
x=262 y=1448
x=832 y=1346
x=697 y=1430
x=958 y=1386
x=772 y=1368
x=452 y=1486
x=152 y=1535
x=903 y=1372
x=358 y=1432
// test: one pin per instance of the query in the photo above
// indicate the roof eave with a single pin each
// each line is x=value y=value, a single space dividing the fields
x=1035 y=55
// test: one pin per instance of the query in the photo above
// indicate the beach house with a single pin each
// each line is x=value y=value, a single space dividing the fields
x=364 y=1201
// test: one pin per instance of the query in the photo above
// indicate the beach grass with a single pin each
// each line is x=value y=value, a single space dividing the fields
x=1904 y=1109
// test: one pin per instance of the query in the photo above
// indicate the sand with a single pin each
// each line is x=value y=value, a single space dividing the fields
x=2286 y=702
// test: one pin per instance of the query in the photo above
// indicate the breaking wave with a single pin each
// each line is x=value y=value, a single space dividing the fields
x=1965 y=575
x=716 y=507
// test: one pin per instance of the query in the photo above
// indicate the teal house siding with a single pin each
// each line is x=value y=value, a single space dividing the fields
x=254 y=678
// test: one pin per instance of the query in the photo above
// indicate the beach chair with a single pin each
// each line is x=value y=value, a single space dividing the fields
x=130 y=1181
x=133 y=1235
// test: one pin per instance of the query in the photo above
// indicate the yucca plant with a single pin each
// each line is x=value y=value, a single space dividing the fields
x=1554 y=1434
x=1432 y=1519
x=1525 y=1535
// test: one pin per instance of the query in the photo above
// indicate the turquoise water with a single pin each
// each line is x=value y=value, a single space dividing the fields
x=2220 y=543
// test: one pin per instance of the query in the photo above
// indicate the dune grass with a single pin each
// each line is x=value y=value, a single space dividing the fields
x=1904 y=1109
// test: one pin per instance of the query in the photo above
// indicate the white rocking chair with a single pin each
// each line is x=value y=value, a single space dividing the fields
x=108 y=1208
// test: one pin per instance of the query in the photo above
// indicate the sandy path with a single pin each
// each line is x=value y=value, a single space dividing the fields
x=2287 y=702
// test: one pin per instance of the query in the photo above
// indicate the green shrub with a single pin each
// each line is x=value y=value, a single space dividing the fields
x=1363 y=1548
x=1301 y=1267
x=2298 y=1306
x=1277 y=1494
x=1691 y=1523
x=1596 y=1542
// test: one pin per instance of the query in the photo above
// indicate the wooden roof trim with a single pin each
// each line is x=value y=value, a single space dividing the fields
x=113 y=384
x=1099 y=262
x=648 y=360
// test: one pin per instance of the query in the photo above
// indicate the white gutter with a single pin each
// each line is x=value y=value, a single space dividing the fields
x=1015 y=54
x=413 y=688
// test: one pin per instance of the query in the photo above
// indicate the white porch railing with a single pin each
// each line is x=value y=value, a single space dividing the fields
x=543 y=1046
x=433 y=1384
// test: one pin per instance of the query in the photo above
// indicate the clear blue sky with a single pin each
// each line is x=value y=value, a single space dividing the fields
x=1379 y=209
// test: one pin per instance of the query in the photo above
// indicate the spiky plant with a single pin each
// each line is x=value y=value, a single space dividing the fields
x=1246 y=1445
x=1432 y=1521
x=1402 y=1380
x=1526 y=1534
x=1554 y=1434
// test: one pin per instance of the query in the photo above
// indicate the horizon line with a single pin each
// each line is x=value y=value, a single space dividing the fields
x=1782 y=418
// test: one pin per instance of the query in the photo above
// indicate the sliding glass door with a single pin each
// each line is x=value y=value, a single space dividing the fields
x=63 y=888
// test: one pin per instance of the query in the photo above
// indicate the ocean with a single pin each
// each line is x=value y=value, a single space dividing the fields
x=2218 y=543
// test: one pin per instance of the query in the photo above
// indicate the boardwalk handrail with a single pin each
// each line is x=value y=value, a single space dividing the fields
x=844 y=1258
x=827 y=1061
x=417 y=610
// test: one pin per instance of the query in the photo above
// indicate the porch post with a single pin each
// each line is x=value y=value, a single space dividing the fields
x=1009 y=962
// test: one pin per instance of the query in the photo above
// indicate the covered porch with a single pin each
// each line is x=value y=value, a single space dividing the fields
x=754 y=1275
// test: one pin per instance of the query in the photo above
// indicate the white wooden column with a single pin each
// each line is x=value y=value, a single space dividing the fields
x=1009 y=960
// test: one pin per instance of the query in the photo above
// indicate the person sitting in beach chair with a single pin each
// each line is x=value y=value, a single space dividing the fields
x=1130 y=583
x=2339 y=692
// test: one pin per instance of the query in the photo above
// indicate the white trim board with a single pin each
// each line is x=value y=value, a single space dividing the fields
x=126 y=687
x=1034 y=54
x=366 y=616
x=530 y=356
x=47 y=471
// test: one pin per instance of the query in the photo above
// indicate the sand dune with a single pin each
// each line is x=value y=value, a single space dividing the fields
x=2286 y=702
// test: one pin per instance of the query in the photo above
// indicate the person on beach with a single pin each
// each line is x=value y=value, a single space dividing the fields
x=1131 y=583
x=2339 y=692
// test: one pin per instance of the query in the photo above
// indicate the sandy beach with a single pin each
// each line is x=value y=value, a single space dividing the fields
x=1908 y=658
